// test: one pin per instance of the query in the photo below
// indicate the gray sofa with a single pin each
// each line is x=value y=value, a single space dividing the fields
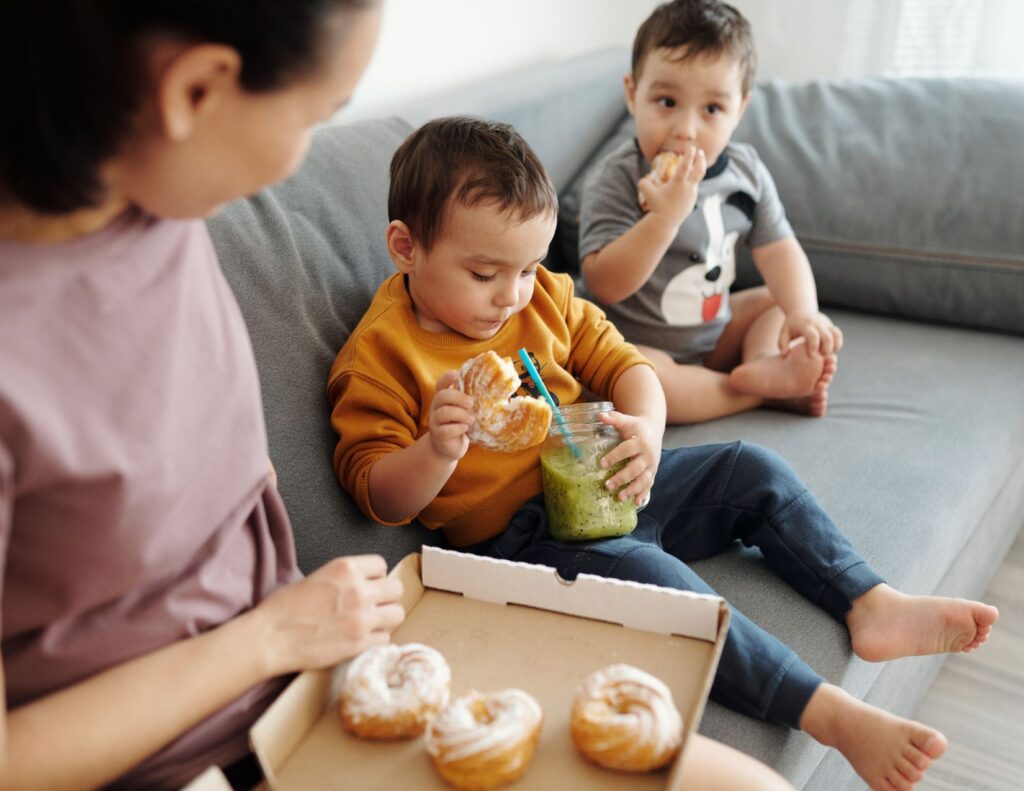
x=906 y=195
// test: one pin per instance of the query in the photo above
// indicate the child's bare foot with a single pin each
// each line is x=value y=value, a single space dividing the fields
x=778 y=377
x=814 y=405
x=886 y=624
x=888 y=752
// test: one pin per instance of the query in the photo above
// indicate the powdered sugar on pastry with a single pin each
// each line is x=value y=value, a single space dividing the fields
x=624 y=718
x=502 y=422
x=481 y=741
x=392 y=690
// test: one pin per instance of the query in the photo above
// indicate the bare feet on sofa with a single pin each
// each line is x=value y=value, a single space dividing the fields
x=797 y=382
x=888 y=752
x=815 y=404
x=886 y=624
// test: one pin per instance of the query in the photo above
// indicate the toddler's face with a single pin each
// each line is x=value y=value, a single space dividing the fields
x=479 y=272
x=682 y=103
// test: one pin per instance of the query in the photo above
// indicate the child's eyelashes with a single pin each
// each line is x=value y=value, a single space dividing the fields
x=488 y=278
x=665 y=101
x=713 y=109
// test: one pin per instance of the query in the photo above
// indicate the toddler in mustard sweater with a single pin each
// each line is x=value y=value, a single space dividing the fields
x=472 y=214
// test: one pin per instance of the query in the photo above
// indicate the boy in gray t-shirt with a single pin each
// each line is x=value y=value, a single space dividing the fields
x=658 y=250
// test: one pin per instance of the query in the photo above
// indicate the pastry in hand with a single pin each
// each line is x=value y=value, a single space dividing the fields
x=624 y=718
x=392 y=691
x=664 y=166
x=500 y=421
x=484 y=741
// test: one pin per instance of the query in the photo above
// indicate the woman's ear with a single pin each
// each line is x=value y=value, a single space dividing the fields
x=193 y=83
x=402 y=246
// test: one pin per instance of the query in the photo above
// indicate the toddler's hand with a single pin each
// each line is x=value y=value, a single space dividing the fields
x=342 y=608
x=641 y=446
x=674 y=199
x=450 y=418
x=816 y=328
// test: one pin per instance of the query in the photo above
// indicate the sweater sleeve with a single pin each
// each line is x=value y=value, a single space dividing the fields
x=599 y=354
x=371 y=421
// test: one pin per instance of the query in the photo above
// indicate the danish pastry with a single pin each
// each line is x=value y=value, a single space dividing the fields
x=391 y=691
x=502 y=422
x=663 y=166
x=624 y=718
x=483 y=741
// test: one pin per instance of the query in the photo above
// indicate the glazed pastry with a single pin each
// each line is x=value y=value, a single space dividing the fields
x=391 y=691
x=502 y=422
x=624 y=718
x=664 y=165
x=483 y=741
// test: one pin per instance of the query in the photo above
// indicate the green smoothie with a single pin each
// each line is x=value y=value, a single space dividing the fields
x=578 y=505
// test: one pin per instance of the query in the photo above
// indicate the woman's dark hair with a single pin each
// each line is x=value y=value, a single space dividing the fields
x=469 y=160
x=73 y=76
x=703 y=27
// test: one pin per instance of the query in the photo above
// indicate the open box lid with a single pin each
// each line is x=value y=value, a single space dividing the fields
x=672 y=621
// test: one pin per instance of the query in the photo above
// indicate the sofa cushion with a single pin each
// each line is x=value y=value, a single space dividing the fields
x=906 y=193
x=920 y=461
x=304 y=259
x=903 y=192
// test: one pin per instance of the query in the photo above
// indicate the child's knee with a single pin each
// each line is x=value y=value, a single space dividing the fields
x=761 y=464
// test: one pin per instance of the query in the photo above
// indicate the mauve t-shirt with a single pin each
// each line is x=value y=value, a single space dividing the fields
x=135 y=502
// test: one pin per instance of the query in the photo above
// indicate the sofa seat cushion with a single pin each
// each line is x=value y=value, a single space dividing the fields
x=920 y=454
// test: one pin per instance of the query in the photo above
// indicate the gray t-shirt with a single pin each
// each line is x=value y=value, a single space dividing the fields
x=135 y=507
x=684 y=305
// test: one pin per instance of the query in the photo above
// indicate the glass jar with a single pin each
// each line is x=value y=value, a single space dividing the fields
x=579 y=505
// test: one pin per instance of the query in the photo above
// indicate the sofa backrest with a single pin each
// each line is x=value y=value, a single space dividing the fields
x=905 y=193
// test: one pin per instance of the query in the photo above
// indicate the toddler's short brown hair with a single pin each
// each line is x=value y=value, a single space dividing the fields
x=703 y=27
x=469 y=160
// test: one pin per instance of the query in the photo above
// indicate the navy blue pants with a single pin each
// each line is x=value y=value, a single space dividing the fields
x=703 y=500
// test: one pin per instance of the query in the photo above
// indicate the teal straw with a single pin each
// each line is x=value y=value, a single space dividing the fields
x=563 y=426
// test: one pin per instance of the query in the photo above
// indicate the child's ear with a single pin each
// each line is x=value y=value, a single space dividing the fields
x=743 y=105
x=194 y=82
x=401 y=246
x=630 y=86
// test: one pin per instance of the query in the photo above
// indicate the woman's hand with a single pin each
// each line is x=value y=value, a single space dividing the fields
x=641 y=446
x=815 y=328
x=341 y=609
x=450 y=418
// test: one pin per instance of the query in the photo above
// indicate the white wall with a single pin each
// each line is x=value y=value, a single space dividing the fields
x=429 y=46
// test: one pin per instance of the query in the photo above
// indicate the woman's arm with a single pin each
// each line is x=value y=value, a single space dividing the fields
x=92 y=732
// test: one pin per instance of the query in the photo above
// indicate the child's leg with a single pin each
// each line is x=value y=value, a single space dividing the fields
x=694 y=393
x=757 y=674
x=757 y=498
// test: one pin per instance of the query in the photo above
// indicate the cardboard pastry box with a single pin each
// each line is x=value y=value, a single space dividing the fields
x=502 y=624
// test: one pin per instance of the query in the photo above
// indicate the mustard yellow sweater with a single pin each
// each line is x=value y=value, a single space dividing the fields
x=383 y=381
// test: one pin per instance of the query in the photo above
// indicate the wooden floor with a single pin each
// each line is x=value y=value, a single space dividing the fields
x=978 y=698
